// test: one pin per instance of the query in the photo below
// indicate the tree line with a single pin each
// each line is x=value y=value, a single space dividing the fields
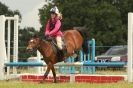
x=105 y=20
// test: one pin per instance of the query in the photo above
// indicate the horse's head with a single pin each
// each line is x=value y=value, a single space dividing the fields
x=33 y=44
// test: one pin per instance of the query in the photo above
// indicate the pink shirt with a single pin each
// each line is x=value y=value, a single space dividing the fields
x=56 y=31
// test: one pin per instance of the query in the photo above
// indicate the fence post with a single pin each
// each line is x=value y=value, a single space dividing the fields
x=15 y=43
x=39 y=69
x=3 y=57
x=130 y=47
x=93 y=55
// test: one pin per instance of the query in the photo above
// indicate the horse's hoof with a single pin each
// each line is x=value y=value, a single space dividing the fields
x=74 y=55
x=7 y=80
x=41 y=82
x=55 y=81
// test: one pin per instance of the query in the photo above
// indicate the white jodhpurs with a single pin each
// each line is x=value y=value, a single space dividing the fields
x=59 y=42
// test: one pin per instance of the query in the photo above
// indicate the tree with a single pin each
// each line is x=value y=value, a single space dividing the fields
x=106 y=20
x=4 y=10
x=24 y=36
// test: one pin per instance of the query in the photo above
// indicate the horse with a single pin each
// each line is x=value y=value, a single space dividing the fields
x=74 y=39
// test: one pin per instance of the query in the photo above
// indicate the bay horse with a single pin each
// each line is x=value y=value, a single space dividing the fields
x=75 y=40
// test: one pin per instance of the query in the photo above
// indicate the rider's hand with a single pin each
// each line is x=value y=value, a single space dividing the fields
x=46 y=36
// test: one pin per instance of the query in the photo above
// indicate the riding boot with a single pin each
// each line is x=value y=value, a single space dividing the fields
x=61 y=54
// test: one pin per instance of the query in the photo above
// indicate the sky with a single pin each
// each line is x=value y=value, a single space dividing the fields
x=28 y=10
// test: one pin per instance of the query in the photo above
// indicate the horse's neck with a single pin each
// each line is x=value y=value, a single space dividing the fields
x=43 y=47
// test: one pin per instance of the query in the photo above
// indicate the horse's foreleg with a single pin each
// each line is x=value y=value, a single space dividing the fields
x=46 y=73
x=54 y=73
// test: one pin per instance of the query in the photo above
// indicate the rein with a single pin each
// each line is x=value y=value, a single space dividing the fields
x=38 y=46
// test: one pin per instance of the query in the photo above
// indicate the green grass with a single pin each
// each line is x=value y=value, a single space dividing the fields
x=17 y=84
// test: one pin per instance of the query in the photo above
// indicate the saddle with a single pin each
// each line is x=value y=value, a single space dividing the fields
x=60 y=53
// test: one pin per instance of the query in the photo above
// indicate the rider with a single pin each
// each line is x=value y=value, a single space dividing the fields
x=53 y=27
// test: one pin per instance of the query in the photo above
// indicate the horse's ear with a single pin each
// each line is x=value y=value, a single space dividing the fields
x=35 y=36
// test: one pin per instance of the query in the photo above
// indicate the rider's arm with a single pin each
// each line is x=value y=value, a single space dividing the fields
x=57 y=27
x=47 y=29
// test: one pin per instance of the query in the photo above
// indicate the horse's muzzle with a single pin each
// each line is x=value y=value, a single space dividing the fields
x=29 y=49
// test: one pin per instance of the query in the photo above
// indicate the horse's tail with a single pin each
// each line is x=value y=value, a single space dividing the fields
x=85 y=41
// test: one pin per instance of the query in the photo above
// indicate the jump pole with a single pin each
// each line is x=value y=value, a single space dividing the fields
x=109 y=64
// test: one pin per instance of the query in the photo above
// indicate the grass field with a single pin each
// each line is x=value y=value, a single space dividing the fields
x=17 y=84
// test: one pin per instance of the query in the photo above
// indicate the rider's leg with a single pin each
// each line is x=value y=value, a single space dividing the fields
x=59 y=42
x=62 y=52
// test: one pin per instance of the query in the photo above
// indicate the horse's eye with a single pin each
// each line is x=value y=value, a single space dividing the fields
x=33 y=42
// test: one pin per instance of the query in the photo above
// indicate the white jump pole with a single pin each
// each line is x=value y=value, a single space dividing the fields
x=130 y=47
x=2 y=47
